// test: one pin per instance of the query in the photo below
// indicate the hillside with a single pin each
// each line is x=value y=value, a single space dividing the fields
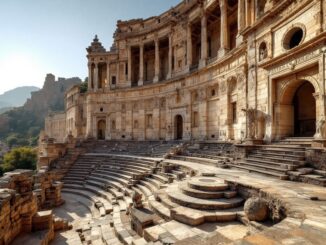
x=16 y=97
x=21 y=125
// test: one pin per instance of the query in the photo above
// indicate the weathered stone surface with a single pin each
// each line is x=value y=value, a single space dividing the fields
x=256 y=209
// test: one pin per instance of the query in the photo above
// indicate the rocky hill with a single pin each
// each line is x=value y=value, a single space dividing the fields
x=15 y=97
x=22 y=125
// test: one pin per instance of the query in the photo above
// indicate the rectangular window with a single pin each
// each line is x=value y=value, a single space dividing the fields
x=126 y=68
x=114 y=80
x=234 y=112
x=179 y=63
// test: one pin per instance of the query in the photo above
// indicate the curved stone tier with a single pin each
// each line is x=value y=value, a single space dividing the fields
x=177 y=196
x=207 y=184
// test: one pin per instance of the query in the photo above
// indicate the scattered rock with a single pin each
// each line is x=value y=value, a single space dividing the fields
x=256 y=209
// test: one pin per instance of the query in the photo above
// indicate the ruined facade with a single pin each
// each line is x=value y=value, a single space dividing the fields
x=206 y=70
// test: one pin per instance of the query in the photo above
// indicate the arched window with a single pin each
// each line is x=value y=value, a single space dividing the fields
x=262 y=51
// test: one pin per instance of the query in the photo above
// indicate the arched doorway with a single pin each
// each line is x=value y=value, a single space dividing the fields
x=304 y=111
x=296 y=110
x=101 y=128
x=178 y=125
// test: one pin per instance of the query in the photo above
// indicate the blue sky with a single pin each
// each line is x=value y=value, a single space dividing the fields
x=50 y=36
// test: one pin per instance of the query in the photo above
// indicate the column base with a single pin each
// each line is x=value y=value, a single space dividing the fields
x=156 y=79
x=202 y=63
x=222 y=52
x=140 y=83
x=129 y=84
x=253 y=142
x=239 y=40
x=169 y=76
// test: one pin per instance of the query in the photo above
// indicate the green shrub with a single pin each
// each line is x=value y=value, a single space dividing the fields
x=19 y=158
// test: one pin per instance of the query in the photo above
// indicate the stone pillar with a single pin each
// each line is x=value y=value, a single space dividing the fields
x=224 y=29
x=108 y=75
x=204 y=51
x=90 y=78
x=118 y=74
x=129 y=67
x=95 y=77
x=141 y=65
x=189 y=46
x=157 y=61
x=241 y=21
x=170 y=58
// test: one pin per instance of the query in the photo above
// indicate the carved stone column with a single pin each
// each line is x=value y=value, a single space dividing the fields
x=170 y=58
x=141 y=65
x=95 y=78
x=224 y=29
x=203 y=56
x=108 y=75
x=189 y=46
x=157 y=61
x=90 y=78
x=241 y=21
x=129 y=66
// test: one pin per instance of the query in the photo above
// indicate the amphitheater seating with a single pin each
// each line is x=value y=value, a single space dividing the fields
x=107 y=181
x=139 y=148
x=207 y=153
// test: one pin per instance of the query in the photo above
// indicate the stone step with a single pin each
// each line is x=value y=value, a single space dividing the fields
x=207 y=184
x=260 y=171
x=204 y=204
x=162 y=179
x=279 y=158
x=144 y=189
x=108 y=235
x=109 y=180
x=154 y=182
x=149 y=185
x=104 y=173
x=206 y=194
x=159 y=208
x=196 y=217
x=100 y=188
x=283 y=150
x=271 y=162
x=289 y=155
x=266 y=166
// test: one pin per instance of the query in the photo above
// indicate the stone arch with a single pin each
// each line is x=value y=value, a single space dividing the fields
x=295 y=83
x=263 y=51
x=297 y=108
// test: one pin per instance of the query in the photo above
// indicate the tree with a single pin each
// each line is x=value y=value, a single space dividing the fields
x=84 y=86
x=19 y=158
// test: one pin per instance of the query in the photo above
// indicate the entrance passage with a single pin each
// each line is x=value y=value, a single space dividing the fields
x=101 y=126
x=304 y=111
x=178 y=124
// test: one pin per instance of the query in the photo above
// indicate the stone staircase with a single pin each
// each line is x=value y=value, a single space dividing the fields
x=210 y=153
x=193 y=202
x=273 y=160
x=284 y=159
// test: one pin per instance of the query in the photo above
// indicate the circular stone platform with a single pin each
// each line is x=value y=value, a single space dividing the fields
x=207 y=184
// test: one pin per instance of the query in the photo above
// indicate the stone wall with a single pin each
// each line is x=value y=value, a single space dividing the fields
x=316 y=158
x=22 y=196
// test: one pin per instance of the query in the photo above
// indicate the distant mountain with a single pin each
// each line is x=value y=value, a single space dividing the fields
x=21 y=125
x=16 y=97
